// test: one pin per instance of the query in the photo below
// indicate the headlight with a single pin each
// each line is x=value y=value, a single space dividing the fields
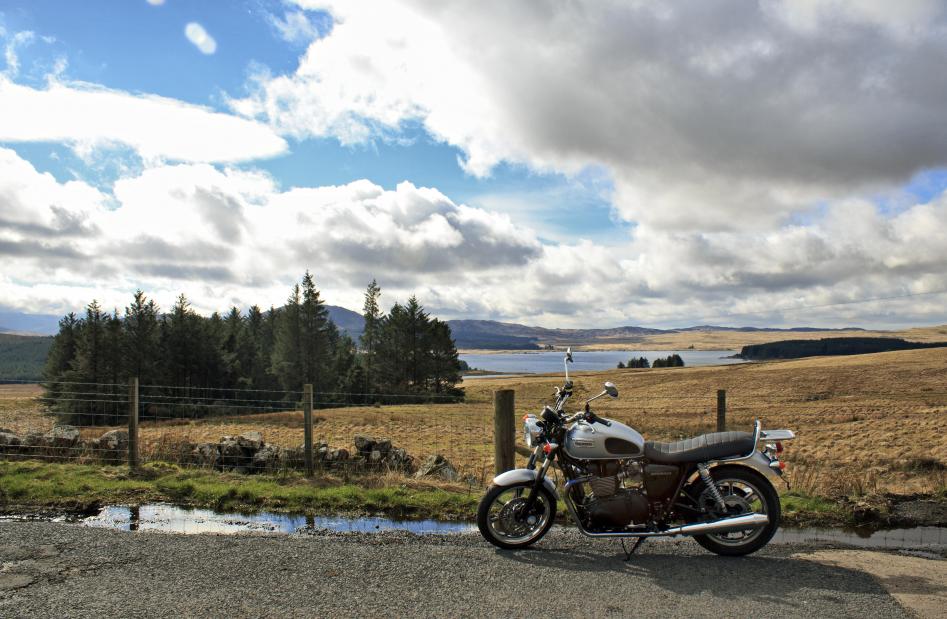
x=531 y=430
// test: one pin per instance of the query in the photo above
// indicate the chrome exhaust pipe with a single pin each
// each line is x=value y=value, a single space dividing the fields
x=736 y=523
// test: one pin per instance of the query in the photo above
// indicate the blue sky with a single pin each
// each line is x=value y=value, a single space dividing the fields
x=595 y=165
x=139 y=47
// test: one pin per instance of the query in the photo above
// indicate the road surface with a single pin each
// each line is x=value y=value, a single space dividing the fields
x=62 y=570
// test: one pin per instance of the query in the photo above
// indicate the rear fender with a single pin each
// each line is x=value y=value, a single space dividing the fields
x=761 y=464
x=757 y=461
x=519 y=476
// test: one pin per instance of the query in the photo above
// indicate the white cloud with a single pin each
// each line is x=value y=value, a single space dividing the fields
x=19 y=39
x=87 y=117
x=709 y=115
x=196 y=34
x=155 y=2
x=233 y=237
x=294 y=27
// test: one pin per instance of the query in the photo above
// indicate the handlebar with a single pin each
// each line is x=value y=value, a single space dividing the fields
x=588 y=416
x=593 y=418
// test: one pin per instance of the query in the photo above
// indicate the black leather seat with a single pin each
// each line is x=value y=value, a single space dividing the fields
x=700 y=448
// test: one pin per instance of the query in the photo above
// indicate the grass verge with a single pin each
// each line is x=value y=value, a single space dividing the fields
x=78 y=487
x=30 y=485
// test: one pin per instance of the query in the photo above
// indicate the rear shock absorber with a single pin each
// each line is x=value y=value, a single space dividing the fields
x=714 y=491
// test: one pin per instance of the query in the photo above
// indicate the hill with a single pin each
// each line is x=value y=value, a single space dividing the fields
x=22 y=356
x=795 y=349
x=346 y=320
x=22 y=323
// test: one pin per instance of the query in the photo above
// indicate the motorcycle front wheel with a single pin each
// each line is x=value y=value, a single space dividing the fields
x=504 y=522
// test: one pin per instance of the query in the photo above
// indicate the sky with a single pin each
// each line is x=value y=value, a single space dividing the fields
x=582 y=164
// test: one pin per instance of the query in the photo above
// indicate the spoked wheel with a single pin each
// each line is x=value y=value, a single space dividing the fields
x=504 y=521
x=744 y=491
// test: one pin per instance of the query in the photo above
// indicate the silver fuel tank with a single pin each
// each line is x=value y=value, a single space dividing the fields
x=594 y=441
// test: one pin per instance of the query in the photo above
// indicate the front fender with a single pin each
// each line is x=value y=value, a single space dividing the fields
x=519 y=476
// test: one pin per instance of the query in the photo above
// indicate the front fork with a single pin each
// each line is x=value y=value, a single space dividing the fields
x=540 y=476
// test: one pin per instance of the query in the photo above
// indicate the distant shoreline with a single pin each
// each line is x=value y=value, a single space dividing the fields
x=588 y=348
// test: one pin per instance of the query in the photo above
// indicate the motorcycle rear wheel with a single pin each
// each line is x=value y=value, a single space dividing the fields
x=502 y=522
x=742 y=486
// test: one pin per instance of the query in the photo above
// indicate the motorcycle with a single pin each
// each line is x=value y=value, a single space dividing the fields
x=717 y=488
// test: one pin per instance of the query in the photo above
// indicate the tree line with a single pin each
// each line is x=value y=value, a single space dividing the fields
x=671 y=361
x=193 y=362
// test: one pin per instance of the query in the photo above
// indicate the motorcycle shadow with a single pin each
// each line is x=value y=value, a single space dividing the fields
x=676 y=567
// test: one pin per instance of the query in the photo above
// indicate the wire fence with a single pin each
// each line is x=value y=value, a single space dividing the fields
x=246 y=430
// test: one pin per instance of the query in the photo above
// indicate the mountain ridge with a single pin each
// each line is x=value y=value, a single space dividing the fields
x=469 y=333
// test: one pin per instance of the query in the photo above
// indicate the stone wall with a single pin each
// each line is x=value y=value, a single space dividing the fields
x=246 y=453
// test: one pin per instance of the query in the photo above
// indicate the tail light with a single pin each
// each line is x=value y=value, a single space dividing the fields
x=779 y=447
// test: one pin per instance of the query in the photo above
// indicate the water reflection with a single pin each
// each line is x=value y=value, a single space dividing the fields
x=172 y=519
x=918 y=537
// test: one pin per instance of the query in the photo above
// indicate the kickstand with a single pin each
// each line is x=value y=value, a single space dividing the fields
x=628 y=553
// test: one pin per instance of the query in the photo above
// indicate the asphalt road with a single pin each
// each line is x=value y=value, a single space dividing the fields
x=61 y=570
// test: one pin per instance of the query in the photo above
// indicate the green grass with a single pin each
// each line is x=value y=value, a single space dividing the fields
x=34 y=484
x=802 y=509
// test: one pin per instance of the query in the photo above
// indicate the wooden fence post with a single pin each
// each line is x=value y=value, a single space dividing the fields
x=503 y=430
x=133 y=461
x=307 y=428
x=721 y=410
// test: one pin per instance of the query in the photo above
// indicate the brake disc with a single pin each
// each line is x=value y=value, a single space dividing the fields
x=512 y=520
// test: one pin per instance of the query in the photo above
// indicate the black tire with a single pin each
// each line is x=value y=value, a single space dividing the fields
x=483 y=515
x=768 y=496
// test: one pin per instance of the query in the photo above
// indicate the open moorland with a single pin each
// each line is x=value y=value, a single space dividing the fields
x=865 y=423
x=714 y=339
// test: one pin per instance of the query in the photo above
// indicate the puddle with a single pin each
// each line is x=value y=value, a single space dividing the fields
x=917 y=537
x=171 y=519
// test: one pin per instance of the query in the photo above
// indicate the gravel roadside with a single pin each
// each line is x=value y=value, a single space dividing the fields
x=60 y=570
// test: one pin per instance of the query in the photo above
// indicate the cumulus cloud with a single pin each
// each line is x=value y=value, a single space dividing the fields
x=232 y=236
x=196 y=34
x=87 y=116
x=711 y=115
x=229 y=236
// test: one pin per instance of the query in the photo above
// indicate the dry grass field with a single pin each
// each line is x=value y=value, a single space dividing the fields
x=866 y=423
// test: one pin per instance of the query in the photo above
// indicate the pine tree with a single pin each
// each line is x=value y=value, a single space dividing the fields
x=141 y=341
x=232 y=356
x=391 y=366
x=251 y=351
x=89 y=364
x=114 y=365
x=371 y=313
x=314 y=320
x=61 y=354
x=417 y=338
x=180 y=343
x=445 y=365
x=287 y=363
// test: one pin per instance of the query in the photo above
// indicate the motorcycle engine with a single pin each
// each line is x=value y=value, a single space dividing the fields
x=611 y=504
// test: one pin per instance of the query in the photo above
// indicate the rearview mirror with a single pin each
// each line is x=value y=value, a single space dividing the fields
x=611 y=389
